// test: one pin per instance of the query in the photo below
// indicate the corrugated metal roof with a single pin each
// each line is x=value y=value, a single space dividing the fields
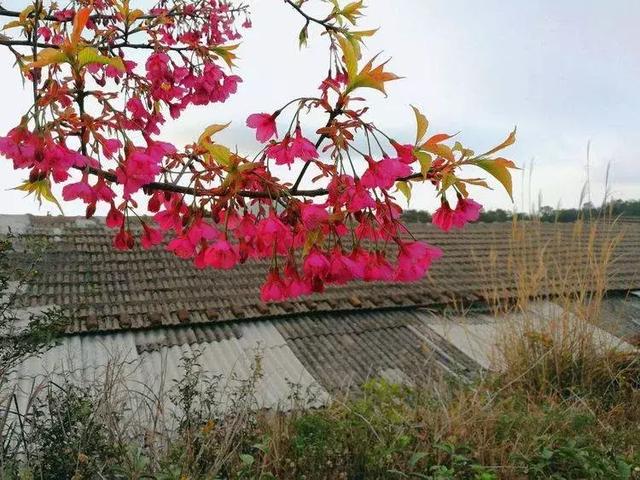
x=88 y=359
x=344 y=349
x=482 y=337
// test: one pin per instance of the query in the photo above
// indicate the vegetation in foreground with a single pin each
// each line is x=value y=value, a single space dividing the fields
x=567 y=418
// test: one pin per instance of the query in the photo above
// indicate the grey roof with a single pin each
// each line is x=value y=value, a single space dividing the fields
x=107 y=290
x=145 y=310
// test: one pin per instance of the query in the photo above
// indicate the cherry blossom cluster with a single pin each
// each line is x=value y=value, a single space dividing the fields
x=105 y=78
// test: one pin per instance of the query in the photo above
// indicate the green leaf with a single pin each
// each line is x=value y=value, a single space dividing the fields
x=405 y=189
x=226 y=53
x=422 y=124
x=511 y=139
x=371 y=77
x=90 y=56
x=425 y=161
x=499 y=169
x=210 y=131
x=415 y=458
x=303 y=36
x=41 y=189
x=246 y=459
x=350 y=57
x=48 y=56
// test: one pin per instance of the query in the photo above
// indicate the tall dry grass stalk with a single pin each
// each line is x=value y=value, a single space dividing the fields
x=547 y=291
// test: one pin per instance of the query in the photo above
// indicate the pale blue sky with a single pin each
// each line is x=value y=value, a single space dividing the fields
x=565 y=72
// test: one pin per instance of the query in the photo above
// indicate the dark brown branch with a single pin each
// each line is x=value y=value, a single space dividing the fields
x=309 y=18
x=332 y=116
x=170 y=187
x=13 y=14
x=27 y=43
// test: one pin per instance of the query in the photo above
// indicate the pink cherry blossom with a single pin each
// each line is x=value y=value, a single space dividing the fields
x=378 y=268
x=404 y=152
x=316 y=264
x=123 y=240
x=343 y=269
x=414 y=259
x=313 y=215
x=281 y=152
x=273 y=289
x=444 y=217
x=383 y=174
x=115 y=217
x=221 y=255
x=265 y=125
x=303 y=148
x=150 y=237
x=468 y=210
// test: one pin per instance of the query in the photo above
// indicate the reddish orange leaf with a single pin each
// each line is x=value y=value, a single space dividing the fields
x=440 y=137
x=79 y=24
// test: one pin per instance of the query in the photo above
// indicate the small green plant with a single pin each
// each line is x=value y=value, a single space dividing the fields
x=571 y=459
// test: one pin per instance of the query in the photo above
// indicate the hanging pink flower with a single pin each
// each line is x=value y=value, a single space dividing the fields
x=343 y=269
x=123 y=240
x=265 y=125
x=273 y=289
x=313 y=215
x=414 y=260
x=150 y=237
x=316 y=264
x=404 y=152
x=281 y=152
x=444 y=217
x=221 y=255
x=115 y=218
x=303 y=148
x=468 y=210
x=383 y=174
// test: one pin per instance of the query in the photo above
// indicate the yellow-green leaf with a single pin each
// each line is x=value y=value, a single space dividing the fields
x=439 y=149
x=90 y=56
x=303 y=36
x=13 y=24
x=371 y=77
x=221 y=154
x=350 y=57
x=41 y=189
x=422 y=124
x=511 y=139
x=499 y=169
x=352 y=11
x=447 y=180
x=210 y=131
x=226 y=53
x=405 y=189
x=425 y=161
x=48 y=56
x=26 y=12
x=134 y=15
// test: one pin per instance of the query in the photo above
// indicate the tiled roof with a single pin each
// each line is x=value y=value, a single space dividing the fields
x=107 y=290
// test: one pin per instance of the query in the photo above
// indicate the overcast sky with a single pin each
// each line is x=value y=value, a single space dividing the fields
x=565 y=72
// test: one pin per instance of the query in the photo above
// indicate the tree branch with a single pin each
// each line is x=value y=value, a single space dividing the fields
x=309 y=18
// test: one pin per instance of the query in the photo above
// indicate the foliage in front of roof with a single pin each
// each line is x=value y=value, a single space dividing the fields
x=23 y=331
x=555 y=427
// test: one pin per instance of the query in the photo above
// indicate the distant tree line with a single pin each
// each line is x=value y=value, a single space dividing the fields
x=615 y=208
